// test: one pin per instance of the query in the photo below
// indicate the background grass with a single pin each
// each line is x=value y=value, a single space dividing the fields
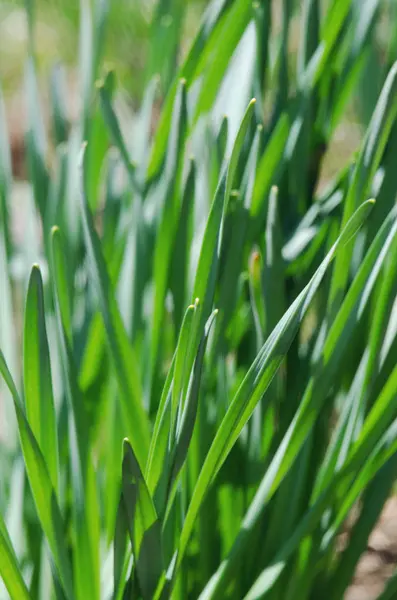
x=198 y=297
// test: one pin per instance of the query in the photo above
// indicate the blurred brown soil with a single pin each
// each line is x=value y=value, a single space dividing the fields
x=379 y=562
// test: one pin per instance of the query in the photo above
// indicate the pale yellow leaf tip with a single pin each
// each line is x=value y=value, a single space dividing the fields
x=82 y=153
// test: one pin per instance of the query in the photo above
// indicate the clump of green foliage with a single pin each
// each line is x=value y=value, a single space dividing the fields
x=208 y=381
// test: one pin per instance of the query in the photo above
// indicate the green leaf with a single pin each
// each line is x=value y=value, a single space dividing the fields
x=169 y=219
x=181 y=376
x=256 y=295
x=234 y=252
x=165 y=38
x=268 y=166
x=43 y=493
x=119 y=550
x=141 y=149
x=274 y=278
x=5 y=173
x=334 y=21
x=10 y=571
x=309 y=33
x=59 y=113
x=91 y=45
x=188 y=412
x=122 y=353
x=373 y=501
x=143 y=524
x=210 y=22
x=210 y=248
x=106 y=88
x=233 y=27
x=85 y=507
x=312 y=401
x=8 y=336
x=172 y=398
x=181 y=268
x=59 y=272
x=258 y=379
x=368 y=161
x=36 y=140
x=39 y=397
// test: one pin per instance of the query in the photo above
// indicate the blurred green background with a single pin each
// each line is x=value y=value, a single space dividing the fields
x=127 y=37
x=129 y=51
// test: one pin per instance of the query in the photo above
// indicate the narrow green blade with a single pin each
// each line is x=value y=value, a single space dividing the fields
x=39 y=397
x=43 y=493
x=10 y=571
x=122 y=353
x=144 y=525
x=258 y=379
